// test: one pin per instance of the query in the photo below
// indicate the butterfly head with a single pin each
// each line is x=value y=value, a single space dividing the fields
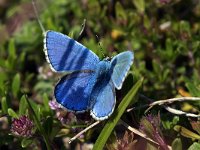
x=107 y=59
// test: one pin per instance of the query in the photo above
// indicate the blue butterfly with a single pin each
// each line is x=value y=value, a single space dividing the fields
x=91 y=83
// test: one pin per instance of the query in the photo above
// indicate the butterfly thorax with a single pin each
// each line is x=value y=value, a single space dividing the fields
x=103 y=70
x=101 y=77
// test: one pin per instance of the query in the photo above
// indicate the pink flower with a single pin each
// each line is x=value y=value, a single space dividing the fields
x=22 y=127
x=54 y=105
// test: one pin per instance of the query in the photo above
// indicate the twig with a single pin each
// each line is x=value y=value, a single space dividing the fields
x=171 y=100
x=179 y=112
x=167 y=101
x=136 y=131
x=83 y=131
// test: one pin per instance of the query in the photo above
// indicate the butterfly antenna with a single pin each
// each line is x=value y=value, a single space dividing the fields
x=82 y=27
x=36 y=13
x=100 y=46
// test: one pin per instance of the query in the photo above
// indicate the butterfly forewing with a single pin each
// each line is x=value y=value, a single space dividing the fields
x=66 y=54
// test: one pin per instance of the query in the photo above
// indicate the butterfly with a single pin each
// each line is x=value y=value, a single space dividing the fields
x=90 y=83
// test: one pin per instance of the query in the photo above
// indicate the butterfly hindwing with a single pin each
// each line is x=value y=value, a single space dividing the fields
x=66 y=54
x=73 y=91
x=104 y=101
x=120 y=66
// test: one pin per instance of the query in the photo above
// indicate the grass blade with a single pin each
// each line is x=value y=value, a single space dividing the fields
x=38 y=124
x=108 y=128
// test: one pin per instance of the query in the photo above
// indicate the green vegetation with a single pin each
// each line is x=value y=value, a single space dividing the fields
x=165 y=38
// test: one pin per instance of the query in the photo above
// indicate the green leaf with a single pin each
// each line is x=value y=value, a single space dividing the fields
x=22 y=105
x=22 y=57
x=4 y=105
x=26 y=142
x=11 y=60
x=148 y=127
x=177 y=144
x=168 y=123
x=42 y=87
x=35 y=117
x=3 y=63
x=140 y=5
x=16 y=84
x=156 y=67
x=193 y=90
x=120 y=12
x=194 y=146
x=71 y=34
x=150 y=146
x=169 y=48
x=3 y=78
x=108 y=128
x=11 y=48
x=46 y=102
x=12 y=113
x=48 y=125
x=39 y=125
x=36 y=108
x=175 y=120
x=186 y=133
x=185 y=27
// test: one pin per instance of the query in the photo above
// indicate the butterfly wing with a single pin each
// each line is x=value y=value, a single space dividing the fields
x=73 y=91
x=103 y=101
x=66 y=54
x=120 y=66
